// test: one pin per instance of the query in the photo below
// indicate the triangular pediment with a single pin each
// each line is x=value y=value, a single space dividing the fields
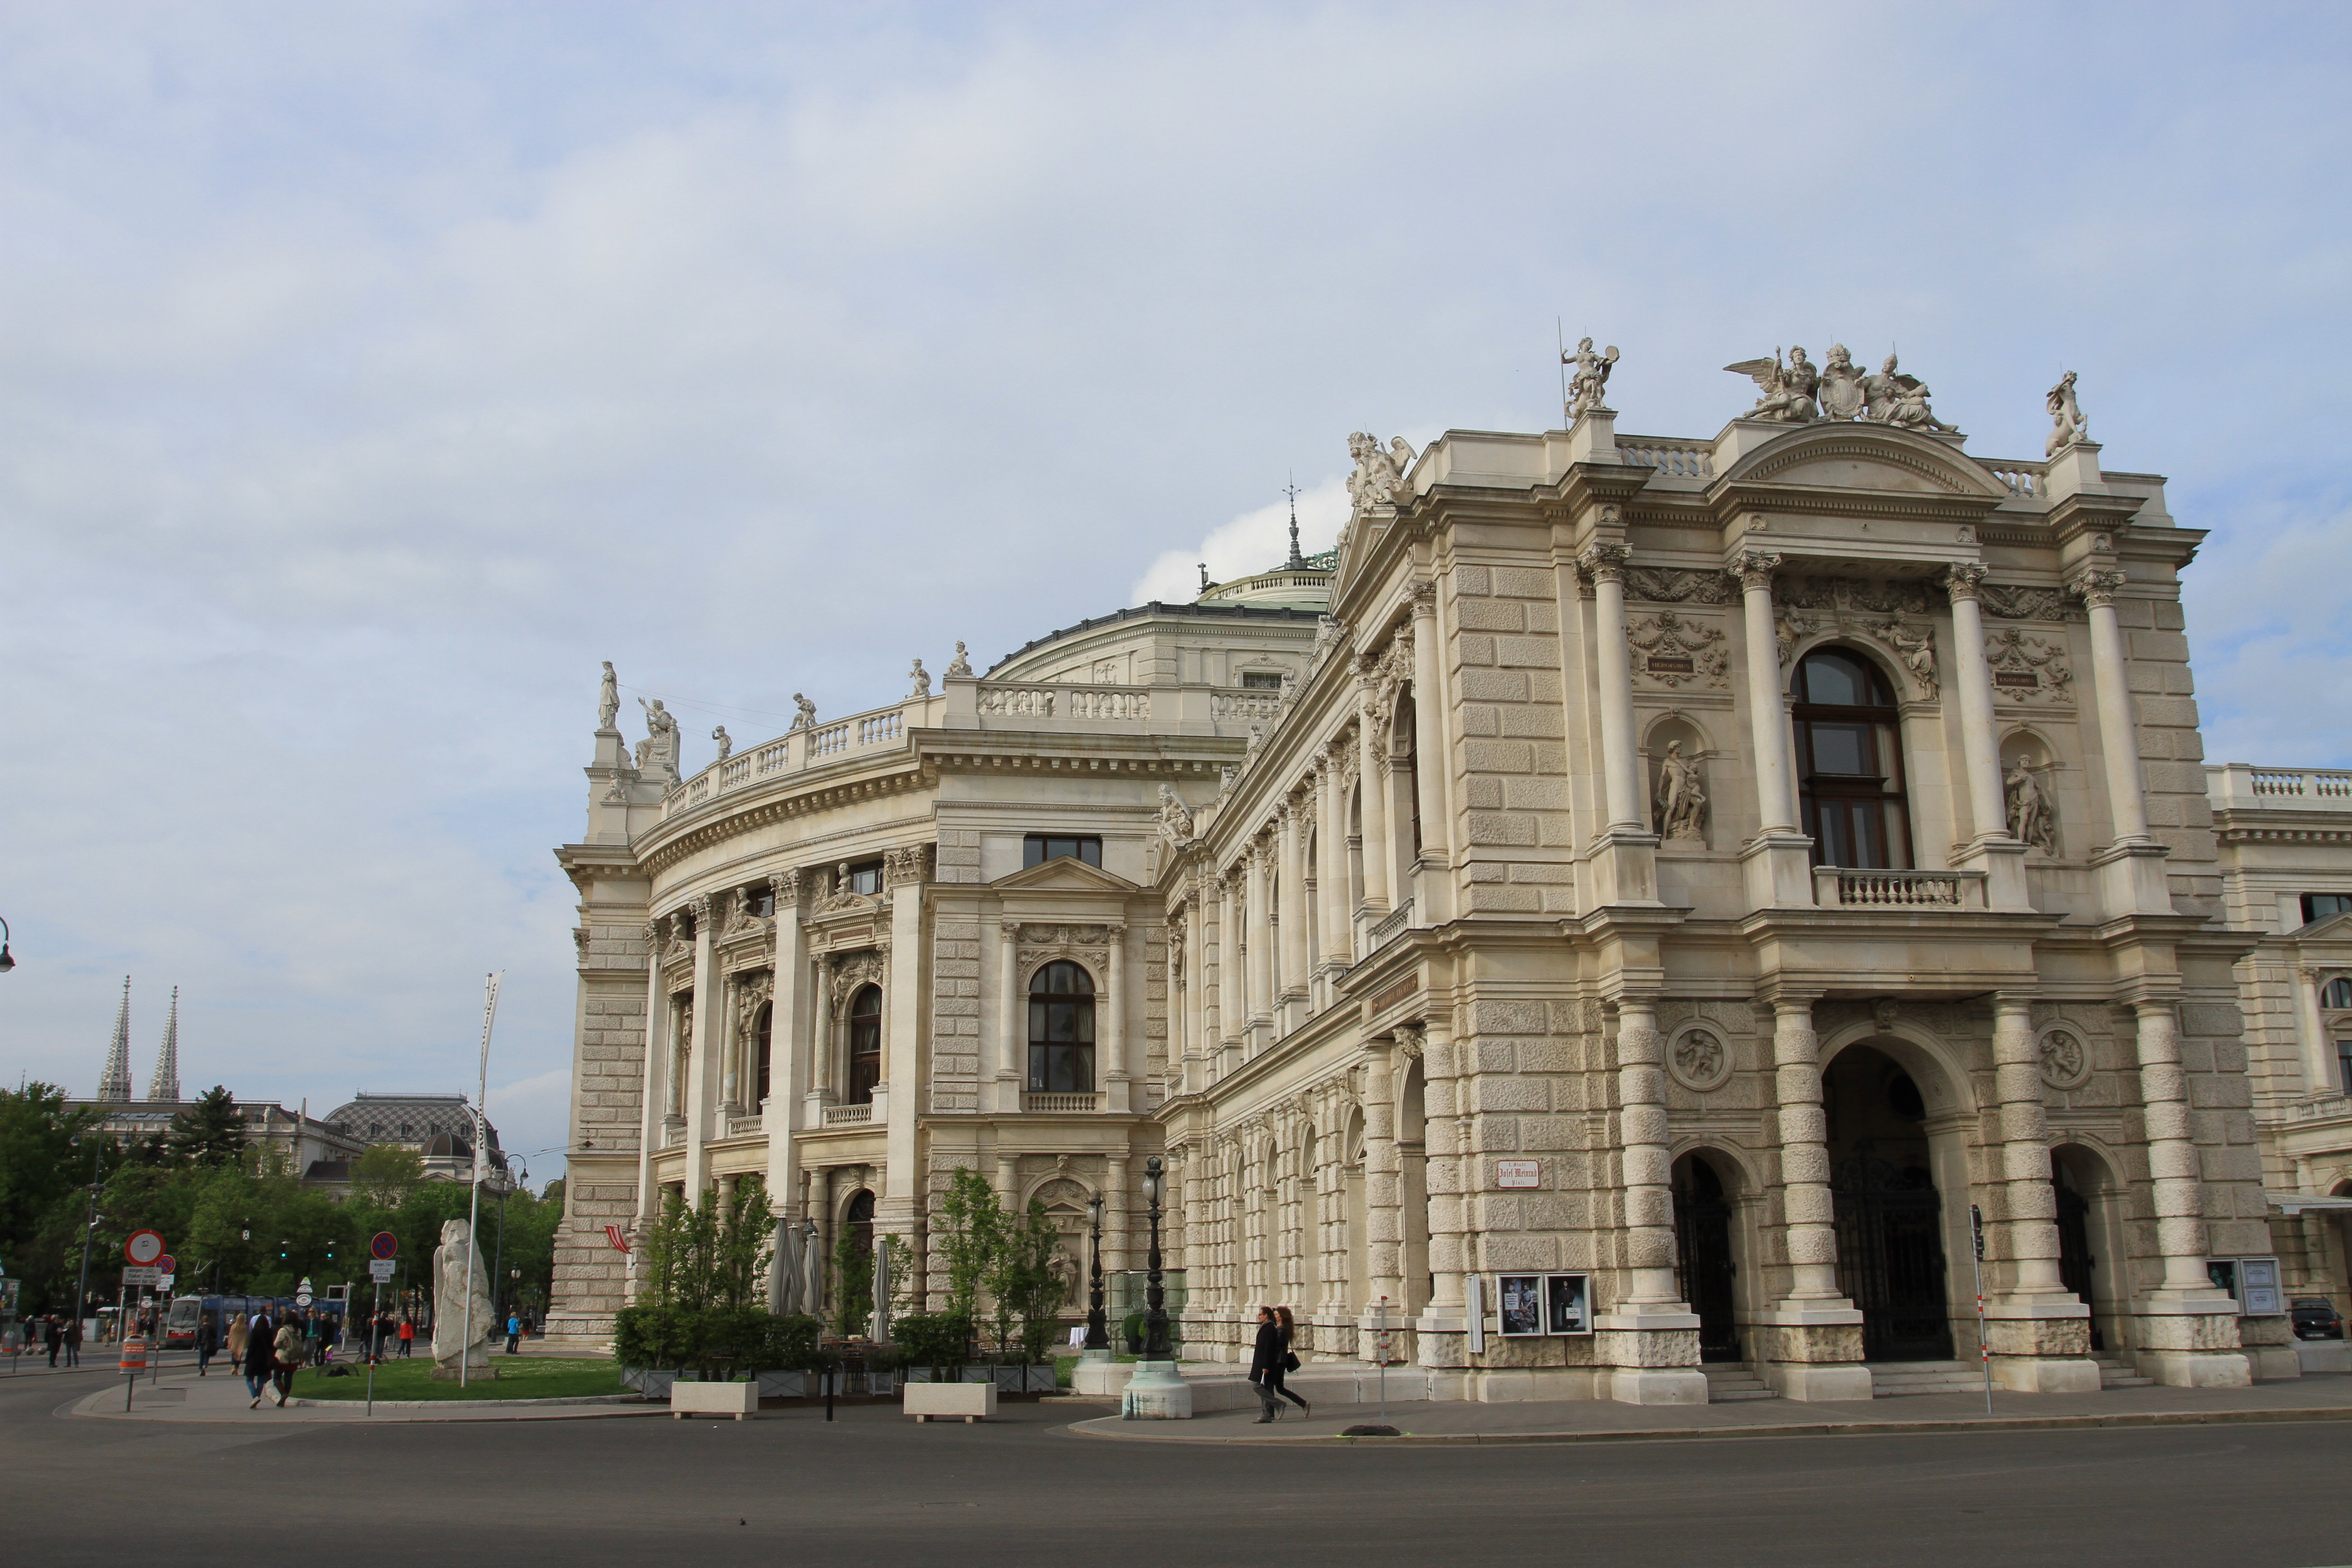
x=1855 y=454
x=1065 y=874
x=2326 y=929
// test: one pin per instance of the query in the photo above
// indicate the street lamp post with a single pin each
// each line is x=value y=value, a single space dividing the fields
x=6 y=963
x=1097 y=1337
x=1157 y=1392
x=89 y=1227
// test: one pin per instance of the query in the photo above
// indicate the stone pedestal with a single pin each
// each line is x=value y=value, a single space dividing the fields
x=1648 y=1357
x=2190 y=1340
x=1779 y=870
x=2042 y=1346
x=479 y=1369
x=2270 y=1346
x=1624 y=866
x=2132 y=880
x=1100 y=1372
x=2003 y=861
x=1157 y=1393
x=1812 y=1353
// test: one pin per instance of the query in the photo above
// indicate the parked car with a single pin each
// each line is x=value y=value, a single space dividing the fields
x=2316 y=1318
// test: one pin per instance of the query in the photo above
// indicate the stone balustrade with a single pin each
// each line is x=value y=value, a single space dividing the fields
x=2241 y=786
x=1061 y=1103
x=1675 y=460
x=848 y=1115
x=2026 y=481
x=1851 y=888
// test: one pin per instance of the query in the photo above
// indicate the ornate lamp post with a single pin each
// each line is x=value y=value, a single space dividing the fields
x=1097 y=1337
x=1157 y=1392
x=1155 y=1299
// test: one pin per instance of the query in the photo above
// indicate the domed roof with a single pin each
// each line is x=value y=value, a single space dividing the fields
x=420 y=1120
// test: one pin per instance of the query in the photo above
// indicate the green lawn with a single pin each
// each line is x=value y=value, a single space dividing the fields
x=519 y=1377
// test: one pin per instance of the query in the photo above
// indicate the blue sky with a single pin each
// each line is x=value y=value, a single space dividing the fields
x=368 y=372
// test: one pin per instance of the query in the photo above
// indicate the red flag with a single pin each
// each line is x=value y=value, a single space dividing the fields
x=613 y=1234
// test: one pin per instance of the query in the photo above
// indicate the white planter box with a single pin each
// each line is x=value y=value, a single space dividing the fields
x=741 y=1400
x=972 y=1401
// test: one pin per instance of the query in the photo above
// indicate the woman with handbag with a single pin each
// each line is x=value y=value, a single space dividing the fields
x=1289 y=1361
x=286 y=1352
x=1268 y=1366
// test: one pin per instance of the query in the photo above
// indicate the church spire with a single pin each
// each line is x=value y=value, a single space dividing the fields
x=166 y=1084
x=115 y=1084
x=1297 y=560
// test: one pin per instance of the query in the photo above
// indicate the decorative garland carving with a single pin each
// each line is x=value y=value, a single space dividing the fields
x=1671 y=650
x=1672 y=586
x=1090 y=945
x=857 y=970
x=1868 y=596
x=2024 y=667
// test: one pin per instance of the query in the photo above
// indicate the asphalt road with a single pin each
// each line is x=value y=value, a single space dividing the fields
x=873 y=1488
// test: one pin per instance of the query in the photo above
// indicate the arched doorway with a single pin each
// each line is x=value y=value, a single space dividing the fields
x=2077 y=1260
x=1889 y=1216
x=1704 y=1270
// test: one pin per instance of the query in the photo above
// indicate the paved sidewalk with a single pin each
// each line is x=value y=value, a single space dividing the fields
x=2319 y=1396
x=186 y=1397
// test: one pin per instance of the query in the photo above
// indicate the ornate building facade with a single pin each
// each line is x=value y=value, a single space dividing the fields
x=1630 y=919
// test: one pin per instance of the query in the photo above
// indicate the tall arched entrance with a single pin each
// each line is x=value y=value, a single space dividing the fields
x=1704 y=1269
x=1889 y=1215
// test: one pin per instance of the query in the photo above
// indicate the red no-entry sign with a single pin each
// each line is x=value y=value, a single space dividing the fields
x=144 y=1248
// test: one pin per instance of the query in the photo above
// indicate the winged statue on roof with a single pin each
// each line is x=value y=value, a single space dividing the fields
x=1788 y=388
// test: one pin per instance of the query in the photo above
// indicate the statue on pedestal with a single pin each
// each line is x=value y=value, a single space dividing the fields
x=1682 y=804
x=961 y=663
x=450 y=1305
x=1902 y=400
x=803 y=712
x=659 y=748
x=2067 y=424
x=2031 y=820
x=921 y=678
x=608 y=703
x=1788 y=388
x=1591 y=378
x=726 y=742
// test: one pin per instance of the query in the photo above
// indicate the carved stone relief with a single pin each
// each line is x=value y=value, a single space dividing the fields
x=2065 y=1059
x=1697 y=1059
x=1866 y=595
x=2025 y=668
x=855 y=971
x=2028 y=603
x=1673 y=650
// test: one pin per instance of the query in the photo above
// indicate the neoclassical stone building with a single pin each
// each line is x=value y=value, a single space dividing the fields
x=1621 y=921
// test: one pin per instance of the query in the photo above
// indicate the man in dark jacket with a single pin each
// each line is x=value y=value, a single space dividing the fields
x=258 y=1362
x=73 y=1341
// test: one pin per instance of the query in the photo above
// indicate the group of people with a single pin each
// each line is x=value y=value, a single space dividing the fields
x=269 y=1350
x=1272 y=1359
x=59 y=1335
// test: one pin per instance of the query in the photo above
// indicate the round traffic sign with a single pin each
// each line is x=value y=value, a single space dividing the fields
x=383 y=1243
x=164 y=1264
x=142 y=1247
x=302 y=1298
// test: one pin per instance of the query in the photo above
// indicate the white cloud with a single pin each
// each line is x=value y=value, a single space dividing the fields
x=1254 y=541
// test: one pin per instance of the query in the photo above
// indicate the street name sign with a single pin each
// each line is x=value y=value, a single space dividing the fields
x=380 y=1269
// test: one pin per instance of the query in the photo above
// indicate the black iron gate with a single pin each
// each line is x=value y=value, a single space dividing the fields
x=1891 y=1256
x=1702 y=1266
x=2075 y=1259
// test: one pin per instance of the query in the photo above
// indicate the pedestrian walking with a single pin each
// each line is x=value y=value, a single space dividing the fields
x=407 y=1336
x=1268 y=1364
x=514 y=1333
x=256 y=1366
x=1290 y=1363
x=234 y=1338
x=285 y=1351
x=55 y=1337
x=73 y=1341
x=205 y=1342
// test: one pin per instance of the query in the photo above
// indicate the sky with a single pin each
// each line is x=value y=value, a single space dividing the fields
x=368 y=373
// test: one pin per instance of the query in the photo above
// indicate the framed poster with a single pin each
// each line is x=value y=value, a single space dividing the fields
x=2258 y=1288
x=1568 y=1303
x=1520 y=1303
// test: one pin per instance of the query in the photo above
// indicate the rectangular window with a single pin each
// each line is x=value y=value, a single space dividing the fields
x=1040 y=848
x=2321 y=906
x=2343 y=1066
x=1261 y=680
x=865 y=878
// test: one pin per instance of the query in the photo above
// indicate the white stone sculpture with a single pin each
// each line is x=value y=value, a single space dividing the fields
x=1380 y=471
x=1682 y=802
x=726 y=742
x=2067 y=424
x=1592 y=378
x=450 y=1314
x=1841 y=391
x=961 y=663
x=1788 y=390
x=2031 y=820
x=804 y=713
x=608 y=702
x=1915 y=647
x=920 y=679
x=659 y=748
x=1175 y=817
x=1902 y=400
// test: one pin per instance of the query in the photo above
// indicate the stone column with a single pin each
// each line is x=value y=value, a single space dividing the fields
x=2319 y=1068
x=701 y=1081
x=1446 y=1177
x=1811 y=1342
x=1113 y=1008
x=1371 y=755
x=1335 y=920
x=2131 y=869
x=1194 y=1078
x=1384 y=1195
x=895 y=1209
x=1011 y=1067
x=651 y=1108
x=1620 y=768
x=1991 y=850
x=1777 y=860
x=2039 y=1330
x=1649 y=1338
x=1258 y=936
x=787 y=1053
x=2185 y=1330
x=1292 y=906
x=1232 y=1008
x=1433 y=759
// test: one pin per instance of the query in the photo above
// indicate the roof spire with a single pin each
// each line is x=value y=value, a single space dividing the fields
x=166 y=1084
x=114 y=1084
x=1297 y=560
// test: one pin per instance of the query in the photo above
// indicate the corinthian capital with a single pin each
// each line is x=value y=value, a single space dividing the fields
x=1424 y=594
x=1604 y=562
x=1962 y=578
x=1754 y=568
x=2097 y=589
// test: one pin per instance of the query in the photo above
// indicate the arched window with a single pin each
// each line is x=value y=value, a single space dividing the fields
x=761 y=1032
x=1061 y=1030
x=1850 y=763
x=864 y=1045
x=1402 y=748
x=2338 y=993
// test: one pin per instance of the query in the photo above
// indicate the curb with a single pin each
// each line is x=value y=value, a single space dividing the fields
x=469 y=1403
x=1805 y=1429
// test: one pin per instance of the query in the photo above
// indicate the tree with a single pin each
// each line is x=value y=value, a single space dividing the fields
x=966 y=1235
x=211 y=1131
x=386 y=1173
x=853 y=1288
x=43 y=1203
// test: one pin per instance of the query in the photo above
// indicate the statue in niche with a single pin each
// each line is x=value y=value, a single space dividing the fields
x=1380 y=470
x=608 y=703
x=1591 y=378
x=1175 y=816
x=921 y=679
x=961 y=663
x=803 y=712
x=1682 y=802
x=1902 y=400
x=2067 y=424
x=2031 y=820
x=1842 y=391
x=726 y=742
x=659 y=748
x=1788 y=389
